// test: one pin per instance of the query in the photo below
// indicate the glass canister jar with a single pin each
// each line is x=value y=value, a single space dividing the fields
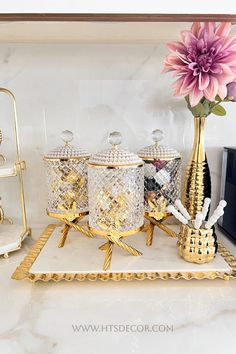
x=161 y=175
x=116 y=190
x=66 y=169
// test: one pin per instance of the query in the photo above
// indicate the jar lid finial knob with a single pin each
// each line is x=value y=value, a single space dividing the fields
x=67 y=136
x=157 y=136
x=115 y=139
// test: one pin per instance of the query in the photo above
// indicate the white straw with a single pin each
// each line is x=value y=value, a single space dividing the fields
x=223 y=203
x=215 y=216
x=171 y=209
x=182 y=209
x=198 y=221
x=205 y=208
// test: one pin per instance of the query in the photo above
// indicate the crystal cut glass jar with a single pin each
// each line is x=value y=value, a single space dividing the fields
x=161 y=174
x=67 y=178
x=116 y=190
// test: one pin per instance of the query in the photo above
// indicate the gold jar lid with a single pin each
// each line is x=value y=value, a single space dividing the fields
x=115 y=157
x=67 y=151
x=157 y=151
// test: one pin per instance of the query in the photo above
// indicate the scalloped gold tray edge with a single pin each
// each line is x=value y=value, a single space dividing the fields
x=23 y=270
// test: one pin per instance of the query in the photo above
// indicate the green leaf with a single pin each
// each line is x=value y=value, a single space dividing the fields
x=212 y=104
x=187 y=99
x=228 y=99
x=218 y=110
x=206 y=105
x=217 y=98
x=199 y=110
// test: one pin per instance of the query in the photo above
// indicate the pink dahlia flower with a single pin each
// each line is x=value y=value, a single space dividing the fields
x=204 y=61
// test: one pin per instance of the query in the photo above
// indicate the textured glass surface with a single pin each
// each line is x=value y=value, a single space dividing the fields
x=116 y=198
x=161 y=183
x=67 y=186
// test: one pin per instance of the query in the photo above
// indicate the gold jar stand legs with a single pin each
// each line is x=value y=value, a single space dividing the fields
x=64 y=233
x=115 y=239
x=70 y=221
x=149 y=229
x=108 y=248
x=68 y=225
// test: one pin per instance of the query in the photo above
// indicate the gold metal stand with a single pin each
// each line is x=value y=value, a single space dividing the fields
x=70 y=221
x=115 y=238
x=157 y=221
x=18 y=167
x=2 y=157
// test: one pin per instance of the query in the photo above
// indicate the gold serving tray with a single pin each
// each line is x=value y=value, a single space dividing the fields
x=223 y=267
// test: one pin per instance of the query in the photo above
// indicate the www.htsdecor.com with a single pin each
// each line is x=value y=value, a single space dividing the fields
x=122 y=328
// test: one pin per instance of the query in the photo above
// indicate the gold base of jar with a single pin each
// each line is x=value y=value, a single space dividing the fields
x=157 y=220
x=114 y=237
x=70 y=221
x=62 y=216
x=196 y=246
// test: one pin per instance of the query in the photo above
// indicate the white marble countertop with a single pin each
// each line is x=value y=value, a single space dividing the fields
x=39 y=317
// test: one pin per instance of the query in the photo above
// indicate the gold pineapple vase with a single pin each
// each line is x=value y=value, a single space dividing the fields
x=197 y=182
x=196 y=246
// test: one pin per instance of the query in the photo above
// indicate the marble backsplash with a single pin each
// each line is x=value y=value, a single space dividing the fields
x=92 y=90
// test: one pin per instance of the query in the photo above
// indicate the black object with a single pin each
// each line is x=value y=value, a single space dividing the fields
x=228 y=192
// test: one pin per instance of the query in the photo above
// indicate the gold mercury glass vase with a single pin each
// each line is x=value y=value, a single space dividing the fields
x=197 y=181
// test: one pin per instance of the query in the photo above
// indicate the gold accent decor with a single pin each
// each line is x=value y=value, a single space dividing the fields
x=160 y=225
x=70 y=220
x=196 y=246
x=74 y=224
x=3 y=217
x=75 y=158
x=197 y=182
x=149 y=230
x=2 y=157
x=115 y=167
x=121 y=234
x=145 y=158
x=68 y=216
x=23 y=270
x=115 y=238
x=19 y=167
x=156 y=217
x=64 y=233
x=108 y=247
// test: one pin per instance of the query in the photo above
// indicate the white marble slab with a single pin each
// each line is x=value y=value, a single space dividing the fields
x=81 y=255
x=10 y=238
x=8 y=169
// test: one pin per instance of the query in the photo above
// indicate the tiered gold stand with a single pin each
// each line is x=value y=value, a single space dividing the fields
x=16 y=171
